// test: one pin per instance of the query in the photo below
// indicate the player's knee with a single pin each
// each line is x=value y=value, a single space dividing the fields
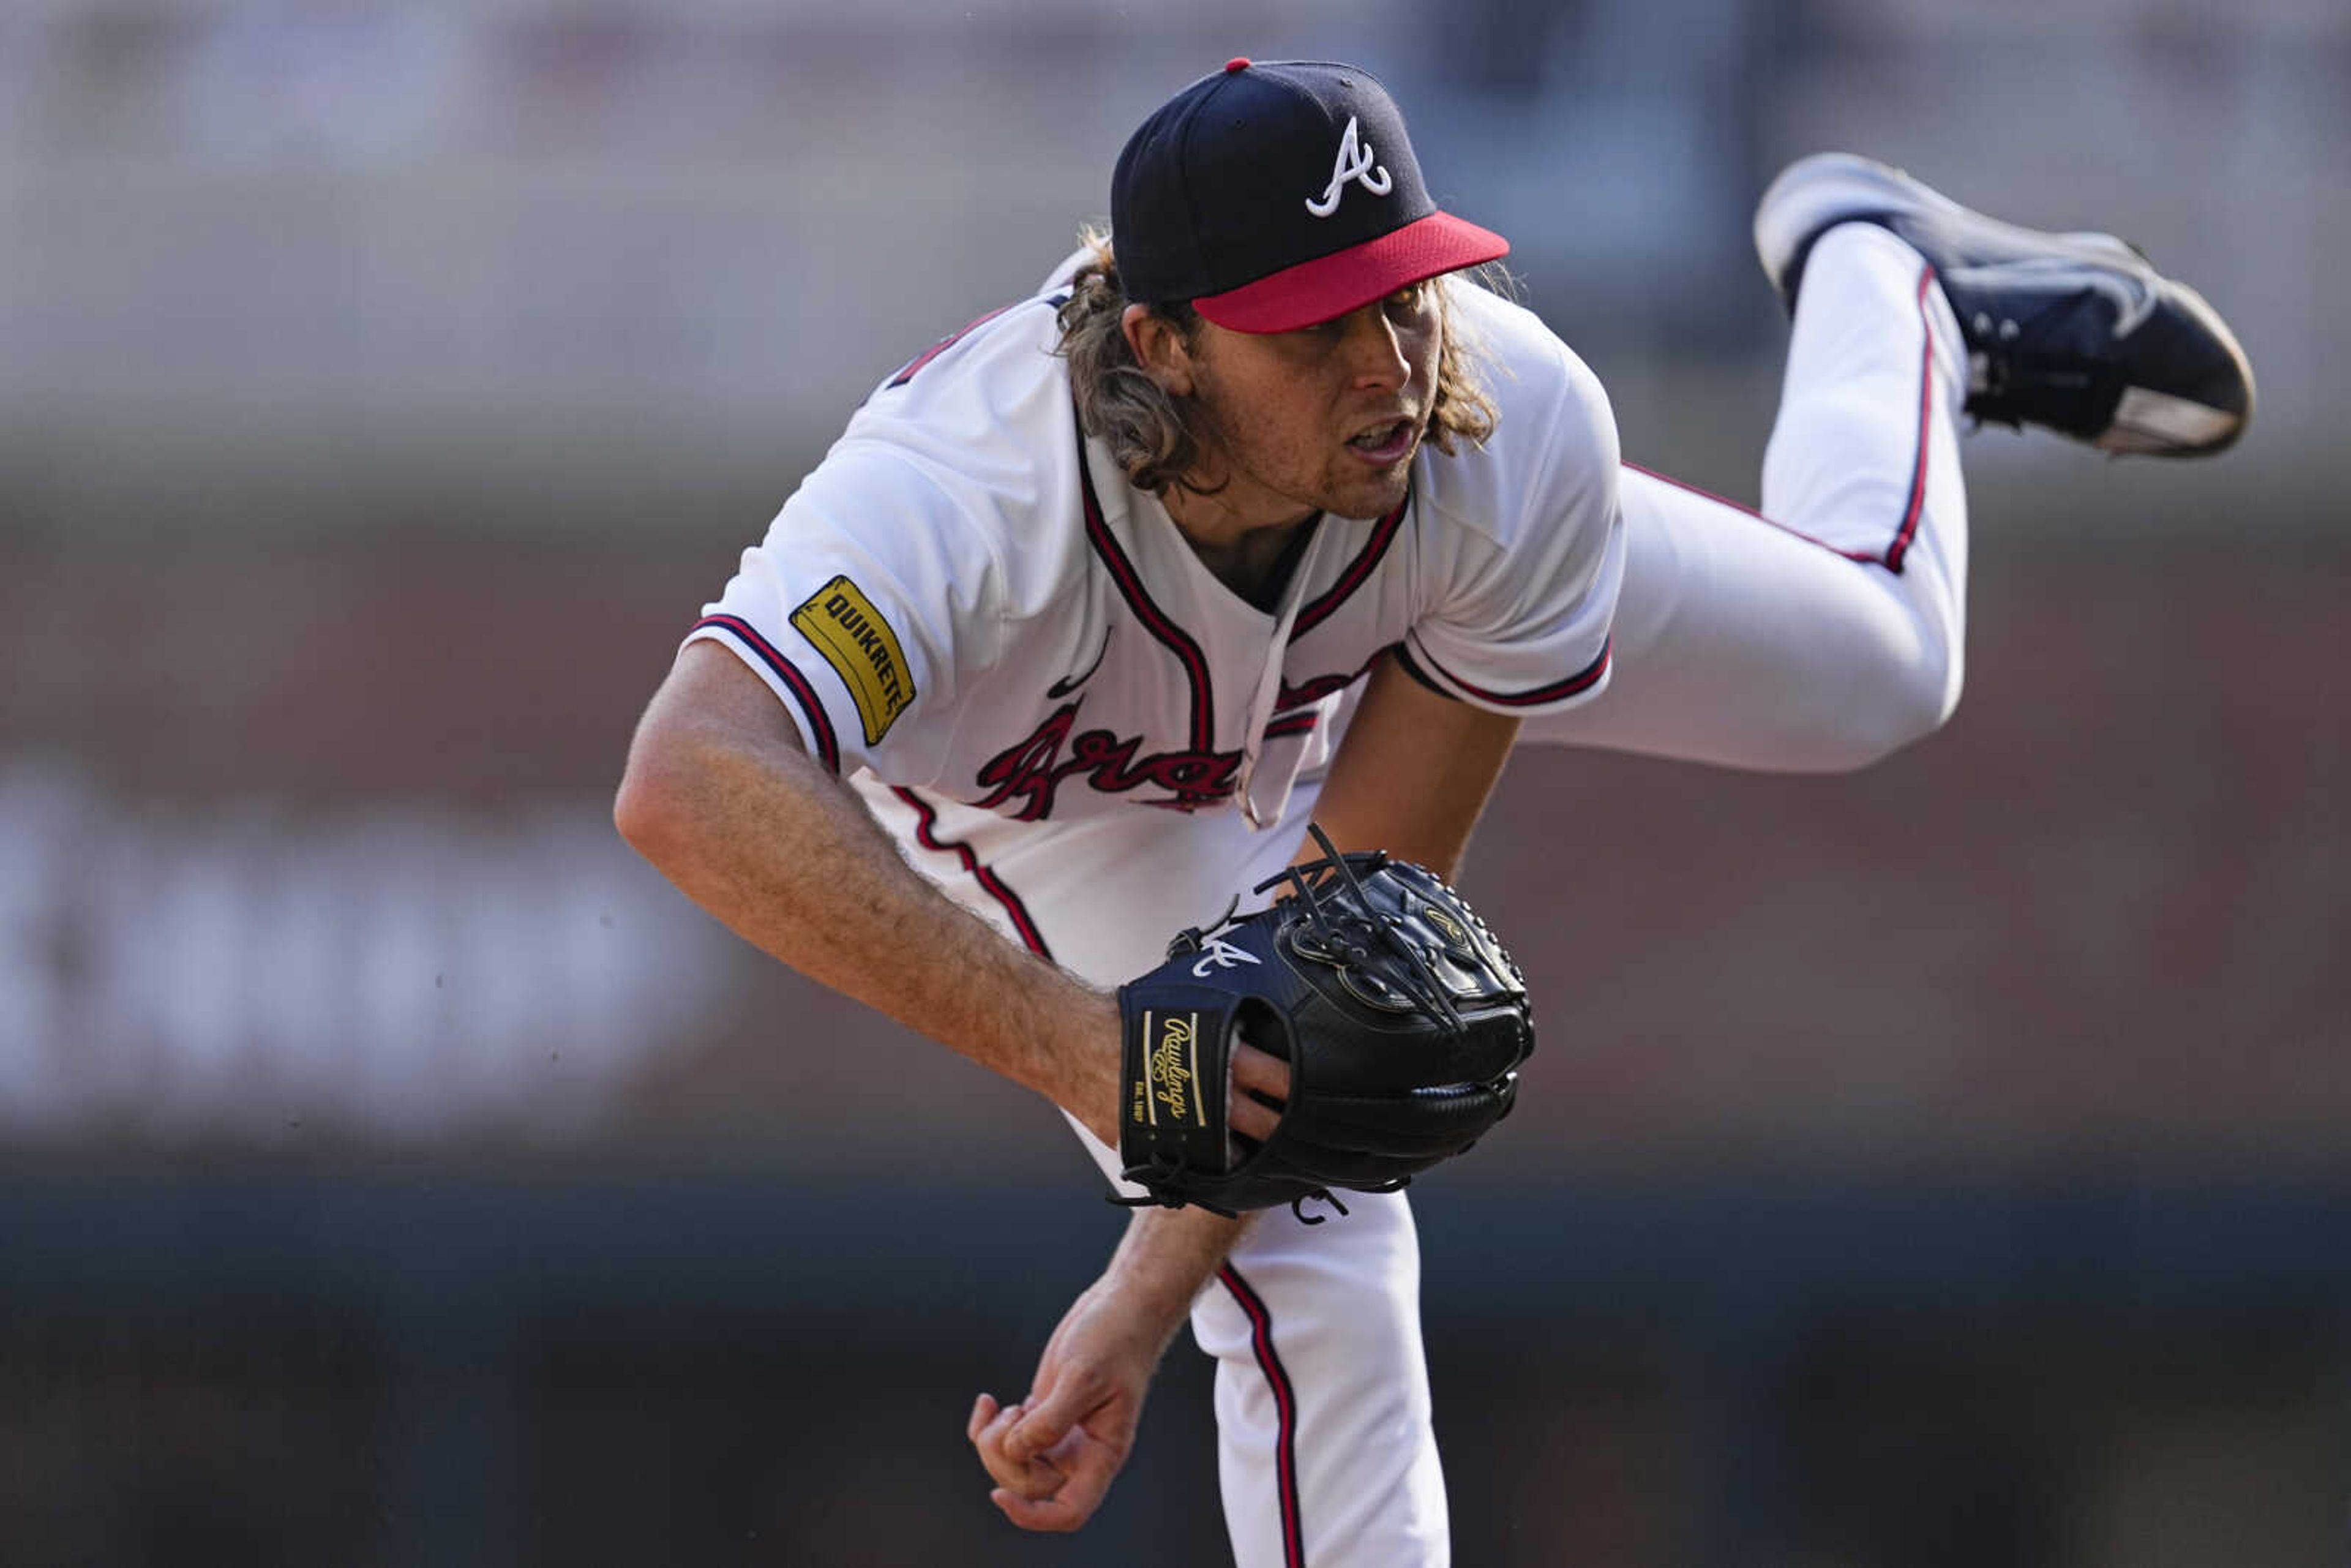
x=1904 y=704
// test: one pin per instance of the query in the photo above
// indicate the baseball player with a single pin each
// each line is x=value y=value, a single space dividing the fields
x=1264 y=512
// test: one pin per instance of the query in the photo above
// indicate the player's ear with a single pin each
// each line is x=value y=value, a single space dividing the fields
x=1159 y=348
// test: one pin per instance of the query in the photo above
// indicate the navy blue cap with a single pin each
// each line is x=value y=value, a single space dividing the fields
x=1274 y=194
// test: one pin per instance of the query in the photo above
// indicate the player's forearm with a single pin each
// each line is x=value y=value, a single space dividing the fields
x=752 y=829
x=1412 y=775
x=1166 y=1257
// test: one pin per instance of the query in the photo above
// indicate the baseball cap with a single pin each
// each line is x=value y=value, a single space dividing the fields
x=1273 y=194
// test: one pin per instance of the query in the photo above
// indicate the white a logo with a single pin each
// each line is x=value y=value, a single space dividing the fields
x=1223 y=954
x=1354 y=164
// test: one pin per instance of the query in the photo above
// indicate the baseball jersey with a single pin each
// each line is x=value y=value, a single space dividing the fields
x=966 y=609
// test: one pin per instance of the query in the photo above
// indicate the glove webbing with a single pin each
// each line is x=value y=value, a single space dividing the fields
x=1428 y=991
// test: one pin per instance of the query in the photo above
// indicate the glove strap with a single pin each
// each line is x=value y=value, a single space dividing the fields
x=1176 y=1060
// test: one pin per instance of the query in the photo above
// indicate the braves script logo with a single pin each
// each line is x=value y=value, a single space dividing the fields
x=1030 y=770
x=1069 y=683
x=1354 y=162
x=1223 y=954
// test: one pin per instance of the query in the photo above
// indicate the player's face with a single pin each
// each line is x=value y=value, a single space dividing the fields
x=1326 y=418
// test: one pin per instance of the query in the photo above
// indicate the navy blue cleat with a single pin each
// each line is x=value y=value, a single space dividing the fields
x=2074 y=332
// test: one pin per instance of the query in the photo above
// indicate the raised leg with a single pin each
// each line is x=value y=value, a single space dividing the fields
x=1826 y=629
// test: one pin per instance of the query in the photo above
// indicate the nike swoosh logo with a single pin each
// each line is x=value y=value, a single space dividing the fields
x=1069 y=683
x=2134 y=298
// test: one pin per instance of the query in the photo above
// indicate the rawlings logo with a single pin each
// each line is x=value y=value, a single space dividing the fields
x=1173 y=1068
x=1030 y=770
x=1354 y=162
x=1223 y=954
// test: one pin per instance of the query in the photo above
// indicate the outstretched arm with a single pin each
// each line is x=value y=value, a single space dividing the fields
x=721 y=796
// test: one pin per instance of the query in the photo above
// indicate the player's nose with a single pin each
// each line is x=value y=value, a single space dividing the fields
x=1375 y=350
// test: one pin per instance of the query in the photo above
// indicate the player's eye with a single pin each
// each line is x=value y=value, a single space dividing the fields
x=1404 y=307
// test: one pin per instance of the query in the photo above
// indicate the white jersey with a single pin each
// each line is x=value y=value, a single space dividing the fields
x=1011 y=651
x=967 y=605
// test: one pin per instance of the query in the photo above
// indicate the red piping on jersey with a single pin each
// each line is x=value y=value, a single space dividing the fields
x=1910 y=529
x=1582 y=680
x=1357 y=571
x=1321 y=686
x=1914 y=508
x=1294 y=724
x=906 y=373
x=827 y=747
x=1285 y=1402
x=926 y=822
x=1154 y=618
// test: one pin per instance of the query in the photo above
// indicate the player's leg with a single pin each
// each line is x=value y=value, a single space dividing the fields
x=1326 y=1449
x=1831 y=632
x=2075 y=333
x=1734 y=648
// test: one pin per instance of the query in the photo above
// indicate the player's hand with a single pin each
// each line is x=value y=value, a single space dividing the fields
x=1257 y=1078
x=1261 y=1086
x=1056 y=1489
x=1054 y=1455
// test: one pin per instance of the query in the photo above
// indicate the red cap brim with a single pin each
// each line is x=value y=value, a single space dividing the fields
x=1345 y=280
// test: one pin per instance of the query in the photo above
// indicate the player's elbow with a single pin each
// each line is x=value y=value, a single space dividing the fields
x=712 y=742
x=646 y=807
x=660 y=806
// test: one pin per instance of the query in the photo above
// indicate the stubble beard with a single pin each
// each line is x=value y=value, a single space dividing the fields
x=1224 y=462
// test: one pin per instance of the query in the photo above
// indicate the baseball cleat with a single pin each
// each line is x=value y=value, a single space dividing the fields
x=2074 y=332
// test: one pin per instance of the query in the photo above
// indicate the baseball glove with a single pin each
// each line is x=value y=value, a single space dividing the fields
x=1402 y=1018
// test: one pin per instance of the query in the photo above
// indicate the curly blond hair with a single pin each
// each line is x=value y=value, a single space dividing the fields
x=1150 y=430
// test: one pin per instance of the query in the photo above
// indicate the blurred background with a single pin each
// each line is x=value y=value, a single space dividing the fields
x=1949 y=1164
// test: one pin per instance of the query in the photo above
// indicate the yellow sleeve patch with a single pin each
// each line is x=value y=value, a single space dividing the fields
x=863 y=651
